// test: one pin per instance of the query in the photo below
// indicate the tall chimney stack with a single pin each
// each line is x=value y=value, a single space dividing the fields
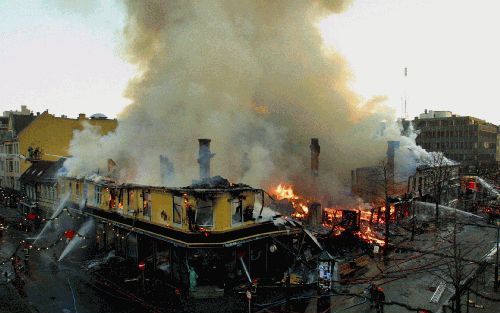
x=245 y=164
x=391 y=152
x=315 y=149
x=166 y=170
x=204 y=156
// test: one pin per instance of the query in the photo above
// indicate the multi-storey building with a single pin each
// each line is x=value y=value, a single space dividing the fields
x=468 y=140
x=10 y=159
x=39 y=183
x=24 y=111
x=423 y=183
x=31 y=138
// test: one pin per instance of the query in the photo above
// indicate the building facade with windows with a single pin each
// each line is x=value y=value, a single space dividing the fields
x=10 y=158
x=43 y=137
x=421 y=185
x=39 y=184
x=471 y=141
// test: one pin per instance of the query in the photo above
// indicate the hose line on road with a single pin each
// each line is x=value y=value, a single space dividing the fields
x=73 y=294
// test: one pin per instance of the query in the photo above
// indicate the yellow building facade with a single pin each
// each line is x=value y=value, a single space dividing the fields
x=181 y=209
x=46 y=137
x=52 y=135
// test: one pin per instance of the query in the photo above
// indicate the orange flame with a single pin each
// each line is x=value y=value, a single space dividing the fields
x=365 y=233
x=368 y=236
x=283 y=191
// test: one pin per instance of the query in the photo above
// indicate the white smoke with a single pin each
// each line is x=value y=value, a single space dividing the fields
x=409 y=156
x=251 y=75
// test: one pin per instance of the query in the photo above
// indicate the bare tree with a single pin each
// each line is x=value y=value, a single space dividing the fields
x=439 y=173
x=378 y=185
x=456 y=270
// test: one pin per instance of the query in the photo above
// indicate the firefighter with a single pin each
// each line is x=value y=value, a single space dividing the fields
x=26 y=252
x=372 y=290
x=380 y=300
x=193 y=277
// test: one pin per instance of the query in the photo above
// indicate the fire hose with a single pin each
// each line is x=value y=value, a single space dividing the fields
x=245 y=270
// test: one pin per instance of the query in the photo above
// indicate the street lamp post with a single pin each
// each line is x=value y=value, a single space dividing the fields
x=413 y=220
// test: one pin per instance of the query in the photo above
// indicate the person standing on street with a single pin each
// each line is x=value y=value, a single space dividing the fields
x=372 y=290
x=380 y=300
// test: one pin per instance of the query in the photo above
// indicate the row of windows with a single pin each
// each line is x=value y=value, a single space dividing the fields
x=448 y=122
x=448 y=133
x=462 y=157
x=45 y=192
x=199 y=215
x=11 y=148
x=48 y=192
x=451 y=122
x=12 y=166
x=448 y=145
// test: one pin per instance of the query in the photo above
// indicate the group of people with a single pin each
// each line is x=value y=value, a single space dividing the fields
x=377 y=298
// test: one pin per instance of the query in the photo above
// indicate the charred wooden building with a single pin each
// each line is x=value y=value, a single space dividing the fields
x=209 y=236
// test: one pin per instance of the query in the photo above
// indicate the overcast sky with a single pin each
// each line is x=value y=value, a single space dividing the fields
x=67 y=60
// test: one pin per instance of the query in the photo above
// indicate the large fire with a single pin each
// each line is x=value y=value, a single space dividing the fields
x=283 y=191
x=342 y=219
x=368 y=236
x=363 y=222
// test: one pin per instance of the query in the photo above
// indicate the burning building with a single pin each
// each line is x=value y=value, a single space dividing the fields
x=262 y=90
x=207 y=238
x=212 y=229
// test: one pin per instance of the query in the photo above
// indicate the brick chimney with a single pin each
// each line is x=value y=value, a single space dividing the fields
x=204 y=156
x=315 y=149
x=391 y=153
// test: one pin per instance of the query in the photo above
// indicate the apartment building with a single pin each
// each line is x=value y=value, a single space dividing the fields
x=33 y=138
x=468 y=140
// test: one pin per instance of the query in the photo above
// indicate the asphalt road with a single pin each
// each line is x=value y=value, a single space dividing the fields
x=51 y=286
x=409 y=278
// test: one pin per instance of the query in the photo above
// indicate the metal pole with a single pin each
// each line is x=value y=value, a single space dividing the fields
x=468 y=293
x=413 y=221
x=496 y=262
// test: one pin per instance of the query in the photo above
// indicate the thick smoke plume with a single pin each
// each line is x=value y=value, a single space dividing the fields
x=251 y=75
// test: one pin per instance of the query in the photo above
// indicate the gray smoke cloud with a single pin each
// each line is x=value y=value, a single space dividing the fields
x=251 y=75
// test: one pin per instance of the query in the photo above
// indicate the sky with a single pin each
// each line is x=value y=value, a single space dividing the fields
x=69 y=59
x=450 y=47
x=66 y=59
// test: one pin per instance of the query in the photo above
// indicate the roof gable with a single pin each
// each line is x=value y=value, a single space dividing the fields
x=20 y=122
x=35 y=171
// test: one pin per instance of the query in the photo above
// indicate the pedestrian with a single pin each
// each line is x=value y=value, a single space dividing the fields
x=380 y=300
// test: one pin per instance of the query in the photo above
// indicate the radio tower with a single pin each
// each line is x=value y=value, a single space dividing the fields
x=405 y=113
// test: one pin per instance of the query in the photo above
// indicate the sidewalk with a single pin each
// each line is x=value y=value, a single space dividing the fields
x=10 y=299
x=10 y=214
x=12 y=302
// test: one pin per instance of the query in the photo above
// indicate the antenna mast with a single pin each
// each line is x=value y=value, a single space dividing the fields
x=405 y=112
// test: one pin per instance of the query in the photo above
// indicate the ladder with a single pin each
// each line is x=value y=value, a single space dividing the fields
x=438 y=293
